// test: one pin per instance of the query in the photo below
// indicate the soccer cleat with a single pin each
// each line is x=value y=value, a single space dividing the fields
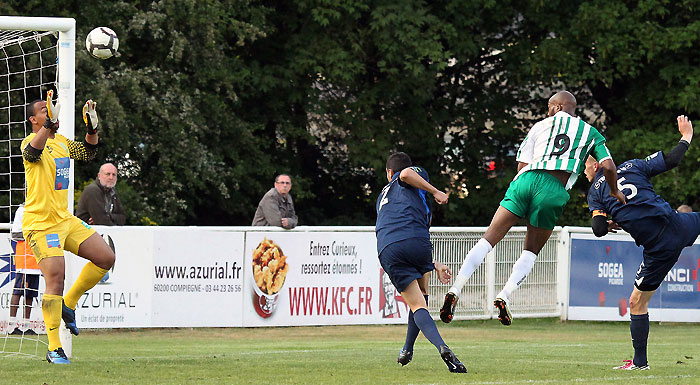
x=503 y=311
x=448 y=307
x=451 y=360
x=30 y=332
x=405 y=356
x=57 y=356
x=629 y=365
x=68 y=316
x=16 y=332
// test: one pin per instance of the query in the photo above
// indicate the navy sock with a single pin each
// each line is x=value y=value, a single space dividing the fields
x=426 y=325
x=412 y=331
x=639 y=328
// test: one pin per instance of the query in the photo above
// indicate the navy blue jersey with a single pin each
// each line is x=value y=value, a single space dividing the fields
x=402 y=212
x=646 y=213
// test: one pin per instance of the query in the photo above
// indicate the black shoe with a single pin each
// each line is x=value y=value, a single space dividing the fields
x=405 y=356
x=68 y=316
x=16 y=332
x=29 y=332
x=448 y=308
x=451 y=360
x=503 y=311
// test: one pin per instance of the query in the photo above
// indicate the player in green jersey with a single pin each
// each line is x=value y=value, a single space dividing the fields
x=550 y=158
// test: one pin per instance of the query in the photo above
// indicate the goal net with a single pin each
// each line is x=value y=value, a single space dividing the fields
x=36 y=55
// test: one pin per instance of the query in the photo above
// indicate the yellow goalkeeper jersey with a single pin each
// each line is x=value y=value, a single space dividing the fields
x=47 y=181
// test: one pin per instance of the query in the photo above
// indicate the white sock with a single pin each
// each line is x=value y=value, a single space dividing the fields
x=474 y=258
x=12 y=323
x=521 y=269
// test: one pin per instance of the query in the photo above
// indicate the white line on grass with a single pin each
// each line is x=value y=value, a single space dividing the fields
x=570 y=380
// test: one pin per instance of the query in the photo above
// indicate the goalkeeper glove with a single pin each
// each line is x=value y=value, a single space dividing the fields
x=52 y=110
x=90 y=117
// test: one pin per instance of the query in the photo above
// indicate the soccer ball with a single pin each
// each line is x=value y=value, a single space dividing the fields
x=102 y=43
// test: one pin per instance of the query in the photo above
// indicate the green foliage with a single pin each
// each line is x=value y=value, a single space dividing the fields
x=208 y=100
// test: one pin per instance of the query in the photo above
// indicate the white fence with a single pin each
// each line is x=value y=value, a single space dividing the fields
x=537 y=297
x=204 y=276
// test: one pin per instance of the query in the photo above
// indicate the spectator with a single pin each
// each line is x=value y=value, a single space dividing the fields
x=684 y=209
x=26 y=278
x=99 y=203
x=276 y=207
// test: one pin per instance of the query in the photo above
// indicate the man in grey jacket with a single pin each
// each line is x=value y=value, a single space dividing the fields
x=276 y=207
x=99 y=203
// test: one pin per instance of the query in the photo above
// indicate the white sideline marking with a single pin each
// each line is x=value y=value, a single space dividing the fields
x=568 y=381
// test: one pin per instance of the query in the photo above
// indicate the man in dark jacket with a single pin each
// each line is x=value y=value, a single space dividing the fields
x=276 y=207
x=99 y=203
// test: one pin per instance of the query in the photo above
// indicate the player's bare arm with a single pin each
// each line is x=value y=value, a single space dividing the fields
x=411 y=177
x=610 y=172
x=45 y=121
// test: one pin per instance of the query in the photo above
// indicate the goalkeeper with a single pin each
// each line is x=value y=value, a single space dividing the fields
x=48 y=226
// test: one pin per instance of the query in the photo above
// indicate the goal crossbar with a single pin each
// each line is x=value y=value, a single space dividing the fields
x=63 y=24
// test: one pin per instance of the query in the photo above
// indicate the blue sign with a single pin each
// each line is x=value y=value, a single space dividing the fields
x=603 y=271
x=6 y=266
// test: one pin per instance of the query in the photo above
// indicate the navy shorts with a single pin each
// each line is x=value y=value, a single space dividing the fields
x=662 y=253
x=26 y=285
x=407 y=260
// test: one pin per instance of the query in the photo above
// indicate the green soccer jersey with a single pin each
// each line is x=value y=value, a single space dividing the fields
x=561 y=142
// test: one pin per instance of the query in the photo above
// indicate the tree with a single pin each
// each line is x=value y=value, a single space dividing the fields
x=209 y=100
x=639 y=71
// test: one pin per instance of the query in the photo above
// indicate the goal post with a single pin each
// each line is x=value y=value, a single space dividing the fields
x=26 y=73
x=36 y=54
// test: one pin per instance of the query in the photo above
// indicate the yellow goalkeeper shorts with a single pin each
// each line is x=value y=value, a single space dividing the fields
x=67 y=235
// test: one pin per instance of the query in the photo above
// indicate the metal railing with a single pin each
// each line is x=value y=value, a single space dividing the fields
x=537 y=297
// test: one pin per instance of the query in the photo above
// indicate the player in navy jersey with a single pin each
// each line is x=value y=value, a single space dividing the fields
x=405 y=251
x=650 y=220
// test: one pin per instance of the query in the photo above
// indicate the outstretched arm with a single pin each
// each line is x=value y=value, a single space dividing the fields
x=32 y=152
x=674 y=157
x=408 y=175
x=81 y=151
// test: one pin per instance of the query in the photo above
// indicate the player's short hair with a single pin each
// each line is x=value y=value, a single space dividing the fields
x=398 y=161
x=29 y=112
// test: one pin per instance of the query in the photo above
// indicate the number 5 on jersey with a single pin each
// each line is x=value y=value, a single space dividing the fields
x=628 y=186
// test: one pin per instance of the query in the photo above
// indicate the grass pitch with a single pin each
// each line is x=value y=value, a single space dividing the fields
x=539 y=351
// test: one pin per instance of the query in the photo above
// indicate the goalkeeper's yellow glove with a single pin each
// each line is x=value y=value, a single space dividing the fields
x=52 y=111
x=90 y=117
